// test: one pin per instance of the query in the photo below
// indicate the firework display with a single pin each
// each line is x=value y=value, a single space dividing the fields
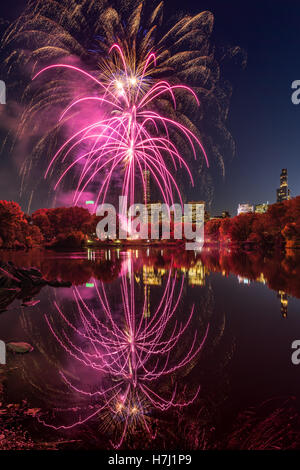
x=132 y=134
x=149 y=299
x=81 y=35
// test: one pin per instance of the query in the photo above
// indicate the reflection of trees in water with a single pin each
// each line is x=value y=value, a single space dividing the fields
x=104 y=265
x=133 y=395
x=75 y=267
x=273 y=425
x=198 y=425
x=281 y=271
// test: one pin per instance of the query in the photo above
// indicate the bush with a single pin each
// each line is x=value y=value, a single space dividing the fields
x=68 y=241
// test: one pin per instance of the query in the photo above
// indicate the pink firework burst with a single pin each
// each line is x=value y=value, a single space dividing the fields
x=132 y=354
x=132 y=137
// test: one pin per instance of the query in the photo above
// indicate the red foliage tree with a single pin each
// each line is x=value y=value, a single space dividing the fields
x=15 y=230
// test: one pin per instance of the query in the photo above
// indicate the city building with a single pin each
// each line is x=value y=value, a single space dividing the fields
x=244 y=280
x=147 y=196
x=261 y=208
x=197 y=215
x=142 y=211
x=283 y=192
x=244 y=208
x=154 y=208
x=225 y=215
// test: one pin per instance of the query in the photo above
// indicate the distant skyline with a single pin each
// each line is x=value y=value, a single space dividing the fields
x=262 y=119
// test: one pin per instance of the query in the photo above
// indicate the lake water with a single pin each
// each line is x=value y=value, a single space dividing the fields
x=158 y=349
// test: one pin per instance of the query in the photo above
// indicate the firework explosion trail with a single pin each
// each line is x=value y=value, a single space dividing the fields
x=132 y=135
x=81 y=34
x=132 y=356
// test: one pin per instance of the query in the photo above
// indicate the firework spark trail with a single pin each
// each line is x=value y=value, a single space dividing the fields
x=55 y=32
x=132 y=354
x=132 y=137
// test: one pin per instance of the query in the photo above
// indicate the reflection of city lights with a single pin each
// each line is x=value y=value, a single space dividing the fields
x=197 y=274
x=151 y=277
x=283 y=303
x=91 y=255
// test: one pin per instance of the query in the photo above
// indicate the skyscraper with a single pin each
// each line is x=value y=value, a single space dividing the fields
x=283 y=192
x=147 y=187
x=261 y=208
x=197 y=215
x=244 y=208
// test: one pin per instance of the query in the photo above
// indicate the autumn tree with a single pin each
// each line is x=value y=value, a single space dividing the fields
x=16 y=231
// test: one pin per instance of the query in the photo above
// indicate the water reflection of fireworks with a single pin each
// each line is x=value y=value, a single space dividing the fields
x=131 y=356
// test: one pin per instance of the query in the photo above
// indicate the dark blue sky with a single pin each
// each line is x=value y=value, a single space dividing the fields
x=262 y=119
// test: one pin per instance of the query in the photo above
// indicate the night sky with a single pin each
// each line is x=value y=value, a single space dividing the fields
x=262 y=119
